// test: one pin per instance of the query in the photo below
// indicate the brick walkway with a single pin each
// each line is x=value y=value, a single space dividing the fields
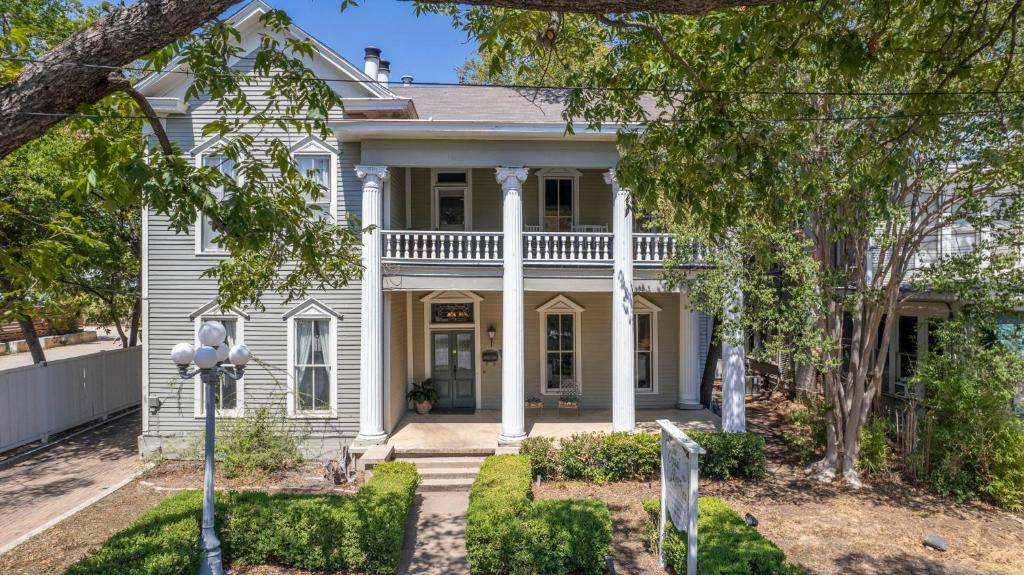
x=38 y=491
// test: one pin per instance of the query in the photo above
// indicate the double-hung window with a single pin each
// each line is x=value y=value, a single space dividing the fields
x=227 y=395
x=644 y=332
x=558 y=204
x=561 y=351
x=317 y=167
x=452 y=201
x=312 y=365
x=207 y=235
x=645 y=345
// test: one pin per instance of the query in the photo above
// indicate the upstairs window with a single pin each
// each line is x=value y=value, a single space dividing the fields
x=558 y=204
x=452 y=202
x=207 y=235
x=317 y=167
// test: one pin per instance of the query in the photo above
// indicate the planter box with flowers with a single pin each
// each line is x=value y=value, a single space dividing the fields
x=569 y=397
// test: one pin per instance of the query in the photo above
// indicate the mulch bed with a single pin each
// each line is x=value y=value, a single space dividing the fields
x=308 y=477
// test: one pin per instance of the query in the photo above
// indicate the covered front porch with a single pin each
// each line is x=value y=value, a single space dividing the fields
x=477 y=432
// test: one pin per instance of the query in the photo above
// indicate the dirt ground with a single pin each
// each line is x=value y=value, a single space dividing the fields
x=308 y=477
x=54 y=550
x=827 y=528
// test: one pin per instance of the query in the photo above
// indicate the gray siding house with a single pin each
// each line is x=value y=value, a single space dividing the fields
x=504 y=266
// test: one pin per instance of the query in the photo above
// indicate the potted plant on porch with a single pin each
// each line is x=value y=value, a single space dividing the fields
x=423 y=395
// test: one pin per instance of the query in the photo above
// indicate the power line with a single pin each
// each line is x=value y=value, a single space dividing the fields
x=867 y=117
x=637 y=89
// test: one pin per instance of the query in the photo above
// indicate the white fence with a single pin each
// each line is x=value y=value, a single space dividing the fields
x=37 y=401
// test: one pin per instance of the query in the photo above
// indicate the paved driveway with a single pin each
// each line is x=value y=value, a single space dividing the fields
x=38 y=491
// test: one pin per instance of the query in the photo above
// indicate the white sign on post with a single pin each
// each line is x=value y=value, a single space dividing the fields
x=679 y=471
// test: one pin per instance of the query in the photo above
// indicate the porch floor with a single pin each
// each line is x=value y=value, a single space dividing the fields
x=478 y=431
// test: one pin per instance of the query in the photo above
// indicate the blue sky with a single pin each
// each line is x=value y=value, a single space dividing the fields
x=426 y=47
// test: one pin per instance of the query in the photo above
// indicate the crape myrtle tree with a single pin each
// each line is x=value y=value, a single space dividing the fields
x=816 y=146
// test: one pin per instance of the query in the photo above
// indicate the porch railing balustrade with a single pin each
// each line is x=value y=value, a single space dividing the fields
x=539 y=248
x=442 y=246
x=567 y=247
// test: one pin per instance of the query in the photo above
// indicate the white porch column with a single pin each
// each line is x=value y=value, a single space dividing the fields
x=734 y=418
x=513 y=428
x=689 y=359
x=623 y=349
x=371 y=354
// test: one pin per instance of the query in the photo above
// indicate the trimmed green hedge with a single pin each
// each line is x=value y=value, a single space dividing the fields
x=599 y=457
x=507 y=532
x=726 y=545
x=730 y=454
x=362 y=532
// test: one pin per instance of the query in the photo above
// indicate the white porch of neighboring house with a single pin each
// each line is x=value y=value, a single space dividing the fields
x=502 y=282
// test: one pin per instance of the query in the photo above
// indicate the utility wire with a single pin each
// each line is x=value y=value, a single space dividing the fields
x=638 y=89
x=954 y=113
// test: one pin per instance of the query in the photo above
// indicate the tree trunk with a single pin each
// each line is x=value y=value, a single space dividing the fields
x=707 y=380
x=806 y=379
x=32 y=339
x=133 y=338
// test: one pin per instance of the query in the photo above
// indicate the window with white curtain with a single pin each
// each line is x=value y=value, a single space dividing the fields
x=208 y=235
x=312 y=365
x=317 y=167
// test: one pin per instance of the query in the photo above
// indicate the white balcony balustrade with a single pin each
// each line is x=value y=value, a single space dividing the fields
x=568 y=247
x=414 y=246
x=539 y=248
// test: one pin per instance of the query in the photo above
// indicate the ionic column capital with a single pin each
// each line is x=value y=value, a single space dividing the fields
x=611 y=178
x=372 y=175
x=511 y=177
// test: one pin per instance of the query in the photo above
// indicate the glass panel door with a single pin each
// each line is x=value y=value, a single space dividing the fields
x=441 y=369
x=558 y=204
x=453 y=368
x=451 y=209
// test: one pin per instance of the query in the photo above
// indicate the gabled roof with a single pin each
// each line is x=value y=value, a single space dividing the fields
x=157 y=87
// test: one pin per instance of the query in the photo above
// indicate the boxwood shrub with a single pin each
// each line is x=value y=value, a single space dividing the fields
x=730 y=454
x=599 y=457
x=361 y=532
x=507 y=532
x=726 y=545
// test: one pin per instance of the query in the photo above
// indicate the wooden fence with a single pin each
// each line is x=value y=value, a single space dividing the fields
x=37 y=401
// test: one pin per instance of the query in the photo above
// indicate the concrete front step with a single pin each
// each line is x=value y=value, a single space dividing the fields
x=448 y=472
x=443 y=461
x=445 y=472
x=430 y=484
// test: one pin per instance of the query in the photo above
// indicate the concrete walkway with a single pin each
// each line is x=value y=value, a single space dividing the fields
x=37 y=492
x=435 y=535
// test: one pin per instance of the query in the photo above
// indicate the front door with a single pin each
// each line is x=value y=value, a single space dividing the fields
x=452 y=368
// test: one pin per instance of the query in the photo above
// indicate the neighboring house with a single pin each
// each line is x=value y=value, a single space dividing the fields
x=504 y=265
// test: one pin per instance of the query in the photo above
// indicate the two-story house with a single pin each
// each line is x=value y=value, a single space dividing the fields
x=503 y=264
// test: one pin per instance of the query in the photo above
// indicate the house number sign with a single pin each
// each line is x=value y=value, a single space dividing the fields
x=451 y=313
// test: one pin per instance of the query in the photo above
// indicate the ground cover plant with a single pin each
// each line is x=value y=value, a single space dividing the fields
x=507 y=532
x=361 y=532
x=726 y=545
x=599 y=457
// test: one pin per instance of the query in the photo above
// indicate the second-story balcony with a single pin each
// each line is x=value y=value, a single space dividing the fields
x=584 y=248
